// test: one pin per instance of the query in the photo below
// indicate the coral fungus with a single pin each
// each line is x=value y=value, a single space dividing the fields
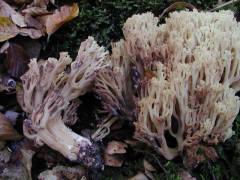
x=50 y=89
x=176 y=80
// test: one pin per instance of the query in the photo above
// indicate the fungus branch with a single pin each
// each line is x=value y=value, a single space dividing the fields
x=49 y=98
x=188 y=76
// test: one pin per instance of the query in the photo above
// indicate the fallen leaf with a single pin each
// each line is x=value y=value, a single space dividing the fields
x=40 y=3
x=7 y=132
x=17 y=2
x=148 y=166
x=31 y=32
x=16 y=60
x=36 y=11
x=31 y=46
x=7 y=11
x=113 y=161
x=32 y=22
x=59 y=17
x=116 y=147
x=27 y=156
x=7 y=29
x=139 y=176
x=185 y=175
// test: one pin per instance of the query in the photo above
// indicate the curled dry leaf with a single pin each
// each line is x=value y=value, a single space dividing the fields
x=54 y=21
x=116 y=147
x=7 y=132
x=7 y=29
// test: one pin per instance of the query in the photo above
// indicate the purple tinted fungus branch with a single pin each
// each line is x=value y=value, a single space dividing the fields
x=49 y=97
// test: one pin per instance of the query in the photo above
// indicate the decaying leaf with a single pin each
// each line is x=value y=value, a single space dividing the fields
x=18 y=2
x=31 y=46
x=5 y=154
x=148 y=166
x=18 y=167
x=112 y=160
x=116 y=147
x=139 y=176
x=27 y=155
x=16 y=60
x=112 y=153
x=31 y=32
x=41 y=3
x=7 y=29
x=54 y=21
x=32 y=22
x=185 y=175
x=7 y=132
x=63 y=172
x=7 y=11
x=35 y=11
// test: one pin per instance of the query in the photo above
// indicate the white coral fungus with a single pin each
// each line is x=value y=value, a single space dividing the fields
x=189 y=71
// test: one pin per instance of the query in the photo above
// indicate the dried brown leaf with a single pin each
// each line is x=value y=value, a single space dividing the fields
x=41 y=3
x=16 y=60
x=31 y=32
x=32 y=22
x=116 y=147
x=113 y=161
x=54 y=21
x=7 y=11
x=31 y=46
x=7 y=132
x=185 y=175
x=36 y=11
x=139 y=176
x=7 y=29
x=148 y=166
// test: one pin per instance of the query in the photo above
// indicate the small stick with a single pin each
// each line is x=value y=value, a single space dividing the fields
x=223 y=5
x=175 y=5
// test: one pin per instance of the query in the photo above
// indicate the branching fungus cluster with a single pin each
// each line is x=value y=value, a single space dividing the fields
x=176 y=80
x=50 y=89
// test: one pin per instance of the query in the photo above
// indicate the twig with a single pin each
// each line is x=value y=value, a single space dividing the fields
x=224 y=4
x=175 y=5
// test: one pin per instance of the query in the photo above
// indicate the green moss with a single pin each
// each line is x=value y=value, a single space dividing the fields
x=104 y=20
